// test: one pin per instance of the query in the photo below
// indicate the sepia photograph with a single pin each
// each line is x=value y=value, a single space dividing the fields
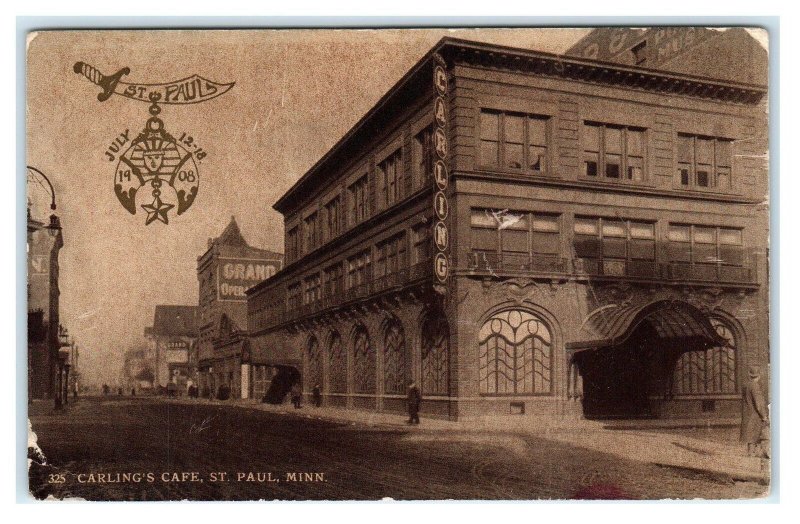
x=407 y=263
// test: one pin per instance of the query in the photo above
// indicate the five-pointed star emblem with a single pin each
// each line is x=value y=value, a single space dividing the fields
x=157 y=211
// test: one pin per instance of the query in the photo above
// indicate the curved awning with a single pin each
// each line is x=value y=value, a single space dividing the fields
x=671 y=319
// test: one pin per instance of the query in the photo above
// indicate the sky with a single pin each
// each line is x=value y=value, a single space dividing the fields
x=297 y=92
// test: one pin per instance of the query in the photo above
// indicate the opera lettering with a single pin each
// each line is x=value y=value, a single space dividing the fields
x=235 y=276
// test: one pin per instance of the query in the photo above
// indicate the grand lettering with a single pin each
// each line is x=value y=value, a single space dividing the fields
x=252 y=272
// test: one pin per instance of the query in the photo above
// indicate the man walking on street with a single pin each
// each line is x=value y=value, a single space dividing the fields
x=755 y=416
x=414 y=400
x=297 y=394
x=317 y=394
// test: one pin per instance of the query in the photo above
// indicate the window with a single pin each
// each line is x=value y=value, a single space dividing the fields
x=710 y=372
x=314 y=364
x=358 y=194
x=421 y=236
x=613 y=152
x=332 y=210
x=515 y=355
x=390 y=177
x=312 y=232
x=390 y=256
x=515 y=239
x=293 y=296
x=292 y=244
x=394 y=361
x=640 y=53
x=333 y=280
x=364 y=363
x=615 y=246
x=358 y=270
x=423 y=156
x=704 y=161
x=435 y=355
x=514 y=141
x=337 y=365
x=312 y=291
x=691 y=244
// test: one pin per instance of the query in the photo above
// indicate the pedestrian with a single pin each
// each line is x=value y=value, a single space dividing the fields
x=119 y=391
x=133 y=392
x=297 y=395
x=414 y=400
x=755 y=416
x=317 y=393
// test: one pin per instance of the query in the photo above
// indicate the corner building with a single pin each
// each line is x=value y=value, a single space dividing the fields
x=521 y=232
x=228 y=267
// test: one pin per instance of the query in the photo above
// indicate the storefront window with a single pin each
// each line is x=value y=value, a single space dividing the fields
x=515 y=355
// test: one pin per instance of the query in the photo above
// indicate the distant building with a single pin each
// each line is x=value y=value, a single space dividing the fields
x=729 y=54
x=138 y=370
x=522 y=232
x=224 y=272
x=171 y=336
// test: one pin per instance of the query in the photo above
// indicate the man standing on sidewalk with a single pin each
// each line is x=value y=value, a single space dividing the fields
x=414 y=400
x=755 y=416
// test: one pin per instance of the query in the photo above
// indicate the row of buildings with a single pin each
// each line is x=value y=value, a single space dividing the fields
x=52 y=361
x=520 y=232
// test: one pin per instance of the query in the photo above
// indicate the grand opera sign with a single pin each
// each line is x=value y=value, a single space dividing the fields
x=237 y=275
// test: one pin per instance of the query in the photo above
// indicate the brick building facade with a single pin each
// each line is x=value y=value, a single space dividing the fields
x=524 y=232
x=224 y=272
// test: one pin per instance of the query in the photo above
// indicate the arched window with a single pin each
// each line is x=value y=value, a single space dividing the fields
x=710 y=372
x=515 y=355
x=363 y=363
x=435 y=356
x=337 y=365
x=314 y=364
x=394 y=360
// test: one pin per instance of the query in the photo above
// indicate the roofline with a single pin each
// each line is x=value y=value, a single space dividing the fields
x=448 y=41
x=363 y=120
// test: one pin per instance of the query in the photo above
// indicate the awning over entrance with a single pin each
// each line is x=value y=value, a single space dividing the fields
x=273 y=351
x=671 y=319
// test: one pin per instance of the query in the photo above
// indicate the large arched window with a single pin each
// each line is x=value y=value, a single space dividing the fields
x=435 y=356
x=314 y=363
x=710 y=372
x=337 y=365
x=394 y=360
x=363 y=363
x=516 y=355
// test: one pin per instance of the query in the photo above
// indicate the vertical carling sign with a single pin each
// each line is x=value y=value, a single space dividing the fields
x=441 y=234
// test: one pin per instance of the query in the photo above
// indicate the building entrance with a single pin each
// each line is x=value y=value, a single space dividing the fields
x=636 y=360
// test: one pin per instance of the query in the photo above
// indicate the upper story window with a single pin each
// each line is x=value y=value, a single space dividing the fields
x=514 y=141
x=334 y=276
x=390 y=179
x=515 y=239
x=421 y=240
x=358 y=269
x=312 y=291
x=293 y=296
x=704 y=161
x=358 y=200
x=390 y=256
x=332 y=217
x=613 y=241
x=692 y=244
x=292 y=244
x=613 y=152
x=640 y=53
x=311 y=228
x=423 y=156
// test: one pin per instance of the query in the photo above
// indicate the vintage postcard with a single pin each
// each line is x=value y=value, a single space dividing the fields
x=430 y=264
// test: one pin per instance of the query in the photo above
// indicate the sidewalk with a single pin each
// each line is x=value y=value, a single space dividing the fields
x=652 y=441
